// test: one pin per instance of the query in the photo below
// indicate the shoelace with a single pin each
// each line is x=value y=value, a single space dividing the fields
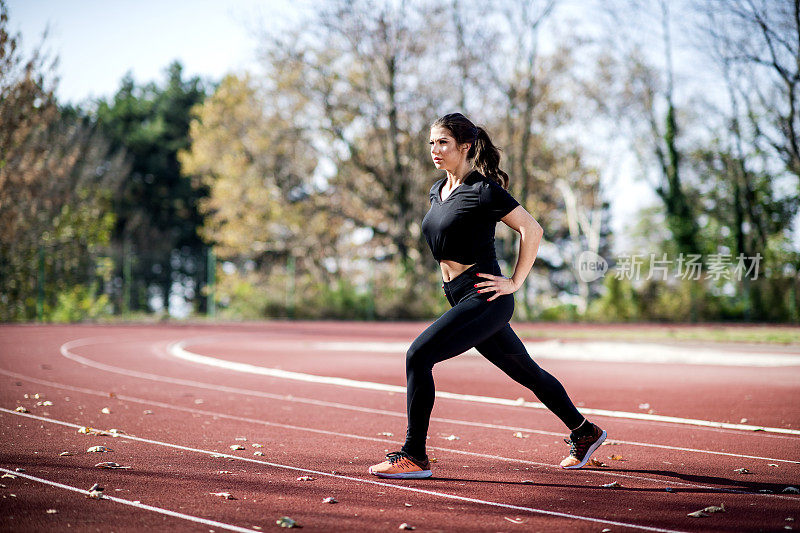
x=394 y=457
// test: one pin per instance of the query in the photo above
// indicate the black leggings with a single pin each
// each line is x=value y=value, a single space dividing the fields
x=474 y=322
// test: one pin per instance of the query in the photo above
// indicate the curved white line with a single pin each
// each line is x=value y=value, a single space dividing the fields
x=178 y=350
x=323 y=403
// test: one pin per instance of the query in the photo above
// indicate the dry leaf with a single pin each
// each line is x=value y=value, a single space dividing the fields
x=515 y=520
x=224 y=472
x=98 y=449
x=595 y=462
x=47 y=403
x=256 y=445
x=116 y=432
x=386 y=434
x=241 y=438
x=305 y=478
x=616 y=458
x=9 y=476
x=225 y=495
x=452 y=437
x=95 y=494
x=697 y=514
x=237 y=447
x=52 y=511
x=742 y=471
x=147 y=412
x=92 y=431
x=285 y=521
x=519 y=435
x=715 y=509
x=105 y=411
x=109 y=464
x=21 y=409
x=611 y=485
x=65 y=454
x=406 y=526
x=330 y=499
x=258 y=454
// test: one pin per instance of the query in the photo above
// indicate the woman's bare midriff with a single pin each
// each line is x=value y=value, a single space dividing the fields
x=451 y=269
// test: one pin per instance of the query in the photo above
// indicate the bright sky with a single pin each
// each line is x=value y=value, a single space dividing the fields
x=99 y=41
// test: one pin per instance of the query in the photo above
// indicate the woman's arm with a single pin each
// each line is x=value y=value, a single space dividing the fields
x=530 y=233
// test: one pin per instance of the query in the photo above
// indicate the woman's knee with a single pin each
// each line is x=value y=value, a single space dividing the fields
x=418 y=356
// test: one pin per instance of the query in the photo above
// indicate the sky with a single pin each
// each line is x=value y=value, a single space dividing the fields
x=99 y=41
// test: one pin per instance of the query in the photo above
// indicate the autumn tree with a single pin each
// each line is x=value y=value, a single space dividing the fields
x=56 y=180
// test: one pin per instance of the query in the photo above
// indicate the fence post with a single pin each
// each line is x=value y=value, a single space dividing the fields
x=211 y=306
x=290 y=303
x=126 y=278
x=40 y=288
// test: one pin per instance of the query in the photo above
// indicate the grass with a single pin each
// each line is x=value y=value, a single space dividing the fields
x=666 y=332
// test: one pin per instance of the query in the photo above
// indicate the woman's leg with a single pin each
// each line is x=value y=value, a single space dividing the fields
x=506 y=351
x=467 y=324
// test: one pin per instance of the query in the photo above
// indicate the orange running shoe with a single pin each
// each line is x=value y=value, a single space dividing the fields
x=400 y=465
x=581 y=449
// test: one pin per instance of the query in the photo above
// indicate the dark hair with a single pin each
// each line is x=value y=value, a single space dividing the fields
x=486 y=154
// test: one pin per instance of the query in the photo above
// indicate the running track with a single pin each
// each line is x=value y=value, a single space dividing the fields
x=325 y=400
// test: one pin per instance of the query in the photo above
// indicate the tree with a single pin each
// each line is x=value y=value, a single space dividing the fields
x=156 y=207
x=56 y=177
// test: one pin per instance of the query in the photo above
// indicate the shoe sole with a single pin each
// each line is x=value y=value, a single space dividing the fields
x=404 y=475
x=589 y=453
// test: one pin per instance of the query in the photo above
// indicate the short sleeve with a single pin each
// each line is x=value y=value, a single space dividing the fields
x=434 y=191
x=496 y=201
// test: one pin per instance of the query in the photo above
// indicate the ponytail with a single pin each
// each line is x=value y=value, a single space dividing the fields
x=487 y=158
x=483 y=151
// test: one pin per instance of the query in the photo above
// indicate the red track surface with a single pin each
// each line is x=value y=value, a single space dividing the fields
x=486 y=480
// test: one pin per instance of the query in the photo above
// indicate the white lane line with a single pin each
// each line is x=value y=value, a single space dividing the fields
x=236 y=418
x=360 y=480
x=605 y=352
x=222 y=388
x=178 y=350
x=131 y=503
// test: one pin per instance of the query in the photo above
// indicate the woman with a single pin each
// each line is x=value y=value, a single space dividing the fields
x=465 y=207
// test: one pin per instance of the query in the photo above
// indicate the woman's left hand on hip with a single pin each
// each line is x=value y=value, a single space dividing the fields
x=499 y=284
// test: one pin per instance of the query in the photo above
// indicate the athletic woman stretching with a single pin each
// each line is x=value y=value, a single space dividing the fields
x=459 y=227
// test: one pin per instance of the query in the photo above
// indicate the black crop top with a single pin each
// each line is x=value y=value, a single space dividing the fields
x=461 y=228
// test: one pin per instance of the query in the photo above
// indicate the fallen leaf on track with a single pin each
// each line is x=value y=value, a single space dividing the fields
x=258 y=454
x=237 y=447
x=224 y=472
x=98 y=449
x=147 y=412
x=715 y=509
x=256 y=445
x=742 y=471
x=285 y=521
x=452 y=437
x=697 y=514
x=21 y=409
x=224 y=495
x=9 y=476
x=611 y=485
x=105 y=411
x=241 y=438
x=306 y=478
x=406 y=526
x=65 y=454
x=515 y=520
x=109 y=464
x=772 y=464
x=595 y=462
x=519 y=435
x=52 y=511
x=330 y=499
x=386 y=434
x=93 y=431
x=616 y=458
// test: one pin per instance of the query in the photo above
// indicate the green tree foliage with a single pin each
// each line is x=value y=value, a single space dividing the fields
x=156 y=207
x=56 y=180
